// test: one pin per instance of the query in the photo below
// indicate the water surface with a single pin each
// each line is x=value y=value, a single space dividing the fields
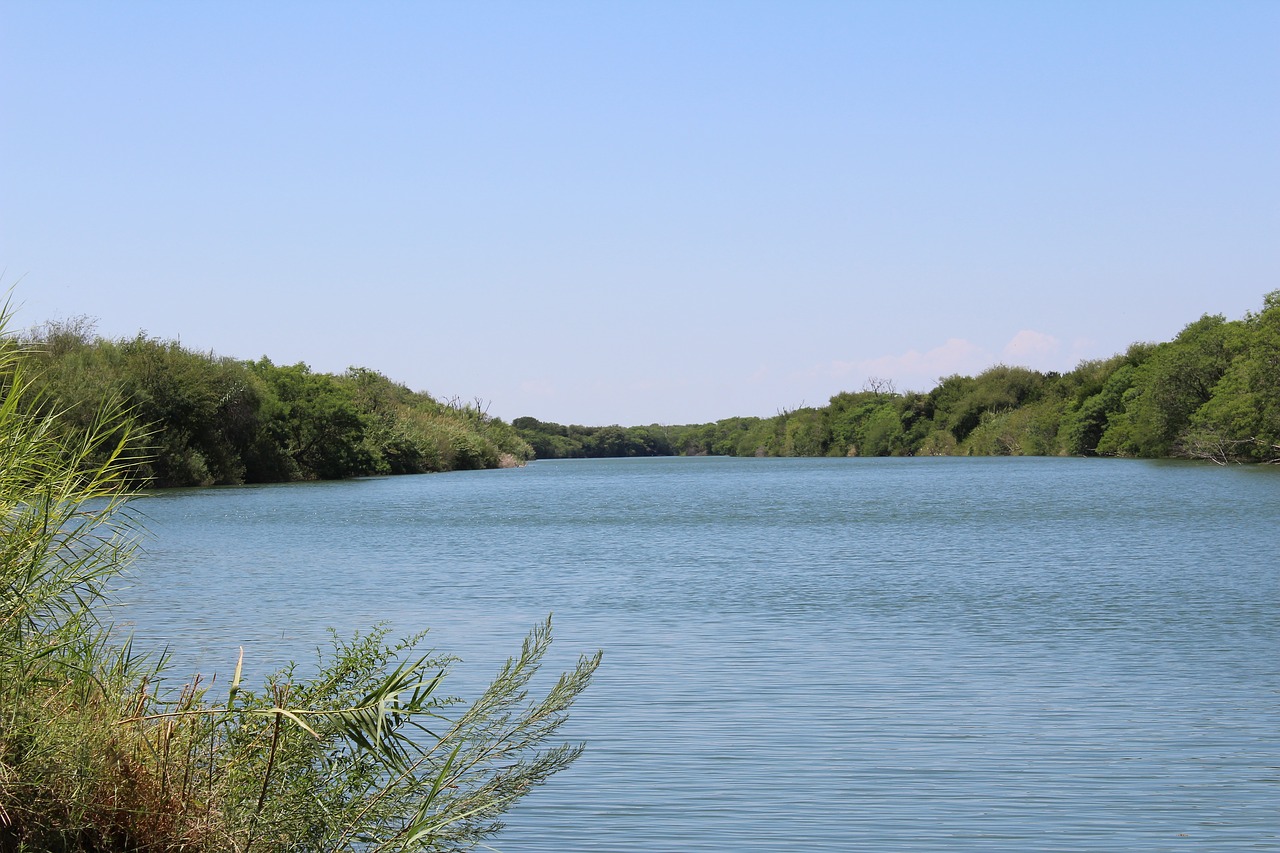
x=899 y=654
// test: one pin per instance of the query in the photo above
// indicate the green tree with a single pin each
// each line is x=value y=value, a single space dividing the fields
x=1175 y=380
x=806 y=433
x=312 y=423
x=1241 y=418
x=847 y=414
x=1084 y=424
x=882 y=433
x=960 y=402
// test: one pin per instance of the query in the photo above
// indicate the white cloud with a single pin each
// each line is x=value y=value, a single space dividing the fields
x=915 y=369
x=1029 y=345
x=957 y=355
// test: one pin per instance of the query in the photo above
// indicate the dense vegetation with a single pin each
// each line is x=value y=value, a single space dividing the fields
x=98 y=754
x=1213 y=392
x=1210 y=393
x=554 y=441
x=212 y=420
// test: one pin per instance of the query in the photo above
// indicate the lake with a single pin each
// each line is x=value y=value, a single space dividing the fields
x=801 y=654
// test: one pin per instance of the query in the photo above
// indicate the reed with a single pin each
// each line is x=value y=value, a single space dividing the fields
x=97 y=754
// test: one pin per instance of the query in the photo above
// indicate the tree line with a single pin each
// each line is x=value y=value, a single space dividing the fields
x=1213 y=392
x=210 y=420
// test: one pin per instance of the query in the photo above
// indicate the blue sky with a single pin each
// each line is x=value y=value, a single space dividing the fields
x=642 y=212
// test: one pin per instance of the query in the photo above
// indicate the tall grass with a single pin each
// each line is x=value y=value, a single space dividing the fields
x=97 y=755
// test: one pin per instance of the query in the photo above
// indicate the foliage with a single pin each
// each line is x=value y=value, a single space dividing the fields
x=97 y=755
x=215 y=420
x=1085 y=420
x=556 y=441
x=867 y=423
x=806 y=433
x=1211 y=393
x=1241 y=418
x=1175 y=380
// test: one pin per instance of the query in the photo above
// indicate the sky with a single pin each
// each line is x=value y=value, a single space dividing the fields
x=641 y=212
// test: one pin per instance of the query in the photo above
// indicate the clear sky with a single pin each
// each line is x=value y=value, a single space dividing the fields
x=636 y=212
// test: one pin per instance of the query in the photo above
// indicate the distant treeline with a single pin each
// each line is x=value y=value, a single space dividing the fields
x=1213 y=392
x=218 y=420
x=554 y=441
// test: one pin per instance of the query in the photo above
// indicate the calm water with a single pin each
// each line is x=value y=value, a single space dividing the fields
x=916 y=655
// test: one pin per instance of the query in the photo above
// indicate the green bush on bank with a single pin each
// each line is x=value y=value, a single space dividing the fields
x=97 y=754
x=213 y=420
x=1213 y=392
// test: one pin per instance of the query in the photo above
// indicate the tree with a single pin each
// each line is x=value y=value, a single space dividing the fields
x=806 y=433
x=1241 y=418
x=1084 y=424
x=1176 y=379
x=882 y=432
x=314 y=420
